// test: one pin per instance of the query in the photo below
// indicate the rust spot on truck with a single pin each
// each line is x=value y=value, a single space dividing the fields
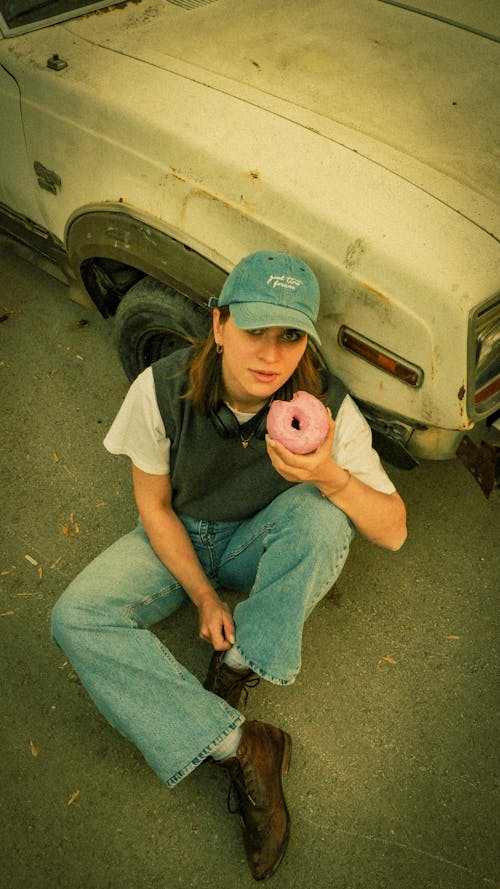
x=254 y=174
x=377 y=293
x=461 y=393
x=173 y=174
x=228 y=205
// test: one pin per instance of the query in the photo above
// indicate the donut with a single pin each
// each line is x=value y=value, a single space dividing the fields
x=301 y=425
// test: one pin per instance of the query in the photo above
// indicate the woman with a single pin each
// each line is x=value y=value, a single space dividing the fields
x=221 y=504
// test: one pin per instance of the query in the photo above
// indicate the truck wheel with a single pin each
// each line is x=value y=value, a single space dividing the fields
x=154 y=320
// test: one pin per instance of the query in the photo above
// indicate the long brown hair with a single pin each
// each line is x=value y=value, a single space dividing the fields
x=205 y=373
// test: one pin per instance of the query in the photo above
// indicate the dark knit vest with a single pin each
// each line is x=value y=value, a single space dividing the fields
x=215 y=478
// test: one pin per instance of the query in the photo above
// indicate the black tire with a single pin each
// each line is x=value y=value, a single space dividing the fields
x=154 y=320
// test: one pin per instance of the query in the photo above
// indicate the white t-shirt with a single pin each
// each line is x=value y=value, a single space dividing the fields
x=138 y=432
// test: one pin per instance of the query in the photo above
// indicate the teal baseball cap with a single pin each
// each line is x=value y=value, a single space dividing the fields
x=267 y=289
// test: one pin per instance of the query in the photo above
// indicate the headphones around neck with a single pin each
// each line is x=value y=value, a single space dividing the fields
x=226 y=425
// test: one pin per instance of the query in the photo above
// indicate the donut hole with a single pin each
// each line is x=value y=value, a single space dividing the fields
x=302 y=426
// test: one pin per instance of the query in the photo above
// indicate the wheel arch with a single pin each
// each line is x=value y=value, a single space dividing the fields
x=102 y=239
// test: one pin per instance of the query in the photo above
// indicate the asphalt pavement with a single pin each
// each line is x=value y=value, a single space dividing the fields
x=392 y=781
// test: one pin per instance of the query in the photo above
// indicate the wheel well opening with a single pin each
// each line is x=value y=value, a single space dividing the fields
x=107 y=281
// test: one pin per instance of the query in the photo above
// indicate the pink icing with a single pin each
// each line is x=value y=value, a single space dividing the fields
x=301 y=425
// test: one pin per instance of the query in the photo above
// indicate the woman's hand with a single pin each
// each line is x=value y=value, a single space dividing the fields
x=378 y=516
x=313 y=468
x=216 y=623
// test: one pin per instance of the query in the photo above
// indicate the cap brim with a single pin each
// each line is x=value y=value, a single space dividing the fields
x=252 y=316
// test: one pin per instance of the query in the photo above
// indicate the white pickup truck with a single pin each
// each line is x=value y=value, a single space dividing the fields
x=146 y=146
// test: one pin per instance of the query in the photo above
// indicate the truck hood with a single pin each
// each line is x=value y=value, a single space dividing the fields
x=411 y=92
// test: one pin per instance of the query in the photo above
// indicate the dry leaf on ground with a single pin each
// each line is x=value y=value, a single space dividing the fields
x=7 y=571
x=70 y=529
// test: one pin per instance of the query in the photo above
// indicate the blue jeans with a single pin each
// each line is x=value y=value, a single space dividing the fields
x=288 y=556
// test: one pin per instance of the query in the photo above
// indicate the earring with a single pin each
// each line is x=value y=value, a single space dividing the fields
x=219 y=348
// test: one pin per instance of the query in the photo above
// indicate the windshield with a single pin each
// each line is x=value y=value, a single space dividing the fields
x=17 y=16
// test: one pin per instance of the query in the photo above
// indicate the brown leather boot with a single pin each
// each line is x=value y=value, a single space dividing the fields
x=256 y=773
x=228 y=683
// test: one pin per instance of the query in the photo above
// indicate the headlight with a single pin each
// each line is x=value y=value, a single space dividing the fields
x=485 y=354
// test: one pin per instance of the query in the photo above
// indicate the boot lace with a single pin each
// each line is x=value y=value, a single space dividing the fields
x=245 y=683
x=240 y=789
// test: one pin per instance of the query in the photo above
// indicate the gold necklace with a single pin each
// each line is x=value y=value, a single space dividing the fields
x=244 y=441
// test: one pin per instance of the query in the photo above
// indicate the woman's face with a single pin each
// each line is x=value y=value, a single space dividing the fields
x=256 y=363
